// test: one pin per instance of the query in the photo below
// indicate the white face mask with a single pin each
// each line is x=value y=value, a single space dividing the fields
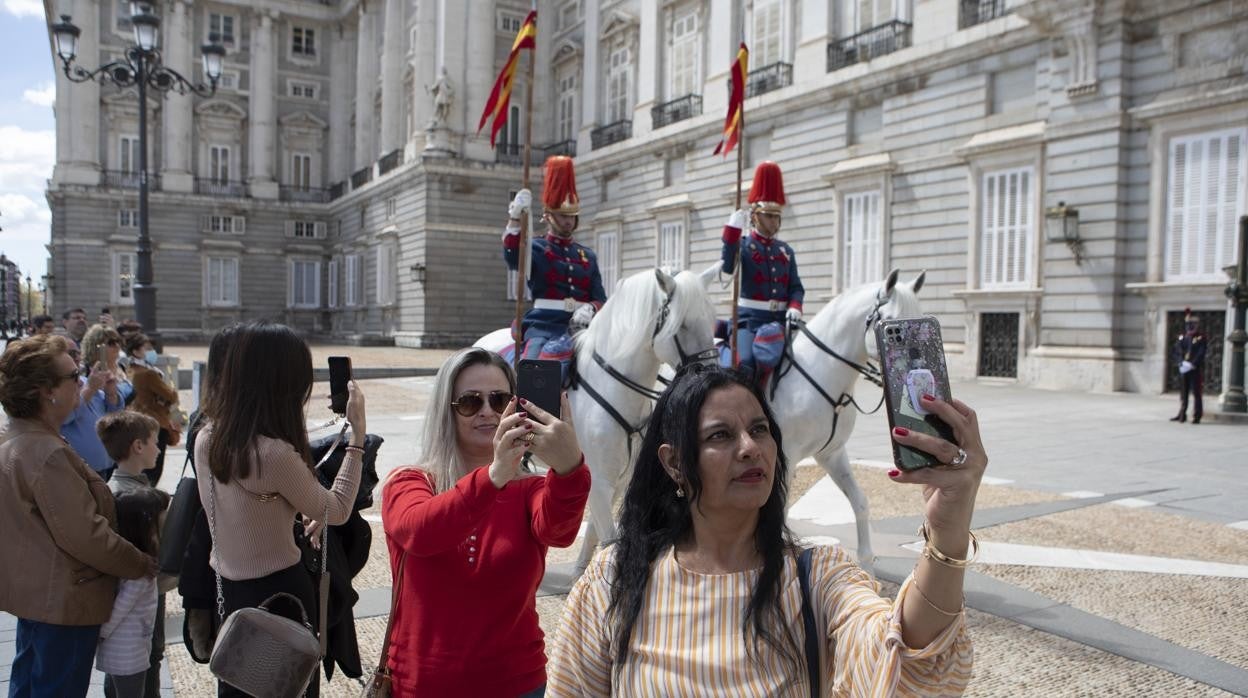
x=150 y=357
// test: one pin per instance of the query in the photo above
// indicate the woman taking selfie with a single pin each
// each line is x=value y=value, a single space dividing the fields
x=255 y=444
x=468 y=531
x=702 y=587
x=101 y=351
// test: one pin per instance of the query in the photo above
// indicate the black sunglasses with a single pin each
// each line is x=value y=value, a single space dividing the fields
x=113 y=343
x=471 y=402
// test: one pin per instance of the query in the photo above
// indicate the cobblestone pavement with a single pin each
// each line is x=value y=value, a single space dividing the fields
x=1148 y=563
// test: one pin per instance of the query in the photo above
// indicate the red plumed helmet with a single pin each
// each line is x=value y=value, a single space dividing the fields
x=559 y=186
x=767 y=193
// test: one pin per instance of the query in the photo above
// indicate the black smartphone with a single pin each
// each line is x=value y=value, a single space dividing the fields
x=912 y=358
x=540 y=382
x=339 y=376
x=105 y=311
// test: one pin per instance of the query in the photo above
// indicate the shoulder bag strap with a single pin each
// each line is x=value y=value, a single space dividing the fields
x=322 y=622
x=813 y=668
x=383 y=664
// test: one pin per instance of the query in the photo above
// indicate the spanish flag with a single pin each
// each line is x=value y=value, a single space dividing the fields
x=500 y=96
x=736 y=102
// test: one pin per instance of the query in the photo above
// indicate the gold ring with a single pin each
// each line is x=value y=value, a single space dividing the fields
x=528 y=438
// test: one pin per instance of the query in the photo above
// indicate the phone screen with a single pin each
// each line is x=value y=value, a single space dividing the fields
x=540 y=382
x=912 y=357
x=339 y=376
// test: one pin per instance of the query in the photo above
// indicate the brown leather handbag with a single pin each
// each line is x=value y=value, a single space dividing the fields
x=379 y=684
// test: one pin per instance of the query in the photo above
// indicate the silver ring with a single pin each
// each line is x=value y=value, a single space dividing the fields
x=528 y=439
x=959 y=459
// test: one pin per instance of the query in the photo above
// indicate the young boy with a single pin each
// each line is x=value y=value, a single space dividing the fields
x=130 y=439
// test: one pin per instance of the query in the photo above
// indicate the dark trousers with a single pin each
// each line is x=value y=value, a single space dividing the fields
x=52 y=660
x=250 y=593
x=1191 y=382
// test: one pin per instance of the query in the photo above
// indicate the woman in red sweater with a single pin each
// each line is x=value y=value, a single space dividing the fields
x=474 y=528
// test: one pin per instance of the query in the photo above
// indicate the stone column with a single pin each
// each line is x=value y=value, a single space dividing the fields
x=365 y=85
x=341 y=92
x=480 y=72
x=591 y=72
x=648 y=60
x=810 y=57
x=425 y=68
x=392 y=96
x=176 y=153
x=263 y=131
x=723 y=36
x=83 y=103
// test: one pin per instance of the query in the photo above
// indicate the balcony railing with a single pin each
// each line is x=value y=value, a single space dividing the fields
x=362 y=176
x=768 y=78
x=389 y=161
x=974 y=12
x=336 y=190
x=604 y=136
x=567 y=147
x=872 y=43
x=314 y=195
x=219 y=187
x=118 y=179
x=676 y=110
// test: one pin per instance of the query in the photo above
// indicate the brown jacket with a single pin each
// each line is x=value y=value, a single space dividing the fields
x=60 y=555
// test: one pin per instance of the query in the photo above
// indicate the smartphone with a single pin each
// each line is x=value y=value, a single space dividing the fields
x=912 y=358
x=339 y=376
x=104 y=311
x=540 y=382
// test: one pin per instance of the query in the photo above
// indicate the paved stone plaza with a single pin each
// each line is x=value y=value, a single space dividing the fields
x=1115 y=556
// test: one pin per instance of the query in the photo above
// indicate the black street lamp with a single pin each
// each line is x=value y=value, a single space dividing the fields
x=1237 y=291
x=29 y=314
x=141 y=67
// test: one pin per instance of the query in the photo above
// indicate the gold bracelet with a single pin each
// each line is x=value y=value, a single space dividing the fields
x=932 y=553
x=915 y=583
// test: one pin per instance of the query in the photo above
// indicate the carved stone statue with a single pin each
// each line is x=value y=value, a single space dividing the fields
x=443 y=95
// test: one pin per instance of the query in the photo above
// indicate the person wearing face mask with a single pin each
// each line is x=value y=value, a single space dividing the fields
x=468 y=530
x=771 y=290
x=563 y=274
x=154 y=397
x=139 y=350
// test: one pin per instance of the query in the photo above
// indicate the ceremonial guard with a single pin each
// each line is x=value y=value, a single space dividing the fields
x=1189 y=353
x=563 y=274
x=771 y=290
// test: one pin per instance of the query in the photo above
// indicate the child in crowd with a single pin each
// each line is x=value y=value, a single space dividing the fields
x=131 y=441
x=125 y=649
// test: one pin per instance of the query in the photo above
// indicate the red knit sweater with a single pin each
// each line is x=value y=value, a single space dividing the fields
x=466 y=621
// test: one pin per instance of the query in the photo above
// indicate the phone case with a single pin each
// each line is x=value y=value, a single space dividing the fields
x=339 y=376
x=912 y=357
x=540 y=382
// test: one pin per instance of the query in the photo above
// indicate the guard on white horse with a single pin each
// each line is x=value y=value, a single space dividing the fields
x=814 y=384
x=651 y=318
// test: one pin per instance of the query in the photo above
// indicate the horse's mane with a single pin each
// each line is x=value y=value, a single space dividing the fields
x=853 y=305
x=626 y=321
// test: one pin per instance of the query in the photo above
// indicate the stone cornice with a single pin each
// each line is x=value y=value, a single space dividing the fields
x=1163 y=108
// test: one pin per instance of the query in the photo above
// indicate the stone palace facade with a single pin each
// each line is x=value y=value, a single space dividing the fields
x=1068 y=172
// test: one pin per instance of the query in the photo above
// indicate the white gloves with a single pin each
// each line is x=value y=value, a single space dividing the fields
x=582 y=316
x=793 y=314
x=520 y=204
x=740 y=219
x=1185 y=367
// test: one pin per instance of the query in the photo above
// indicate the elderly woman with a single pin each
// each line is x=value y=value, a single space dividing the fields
x=702 y=588
x=468 y=532
x=58 y=518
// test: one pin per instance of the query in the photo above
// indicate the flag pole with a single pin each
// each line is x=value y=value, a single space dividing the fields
x=522 y=267
x=736 y=269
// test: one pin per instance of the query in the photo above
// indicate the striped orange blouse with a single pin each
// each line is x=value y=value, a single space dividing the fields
x=688 y=641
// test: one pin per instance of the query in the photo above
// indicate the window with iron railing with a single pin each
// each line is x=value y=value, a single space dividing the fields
x=874 y=42
x=972 y=12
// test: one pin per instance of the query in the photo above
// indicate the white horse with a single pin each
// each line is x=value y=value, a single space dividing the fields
x=805 y=396
x=650 y=319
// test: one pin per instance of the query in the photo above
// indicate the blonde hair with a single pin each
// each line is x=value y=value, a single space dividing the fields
x=440 y=456
x=93 y=344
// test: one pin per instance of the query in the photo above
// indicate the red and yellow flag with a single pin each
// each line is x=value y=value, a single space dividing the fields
x=736 y=102
x=500 y=96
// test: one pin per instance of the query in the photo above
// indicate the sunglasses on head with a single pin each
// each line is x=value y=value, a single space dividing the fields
x=471 y=402
x=112 y=343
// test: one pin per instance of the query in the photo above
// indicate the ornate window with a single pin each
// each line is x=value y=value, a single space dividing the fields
x=221 y=281
x=1208 y=175
x=123 y=278
x=1008 y=228
x=619 y=67
x=684 y=57
x=862 y=242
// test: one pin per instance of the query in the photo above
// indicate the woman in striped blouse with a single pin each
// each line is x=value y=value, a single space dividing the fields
x=700 y=594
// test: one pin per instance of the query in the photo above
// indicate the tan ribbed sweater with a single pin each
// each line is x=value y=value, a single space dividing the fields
x=254 y=528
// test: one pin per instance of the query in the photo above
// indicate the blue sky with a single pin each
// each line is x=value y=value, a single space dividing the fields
x=27 y=133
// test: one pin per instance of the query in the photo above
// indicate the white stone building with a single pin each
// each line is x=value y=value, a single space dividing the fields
x=317 y=186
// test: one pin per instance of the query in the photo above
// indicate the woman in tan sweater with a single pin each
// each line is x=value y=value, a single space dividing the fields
x=256 y=446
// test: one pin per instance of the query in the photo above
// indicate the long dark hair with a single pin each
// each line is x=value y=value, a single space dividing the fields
x=653 y=518
x=138 y=517
x=265 y=380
